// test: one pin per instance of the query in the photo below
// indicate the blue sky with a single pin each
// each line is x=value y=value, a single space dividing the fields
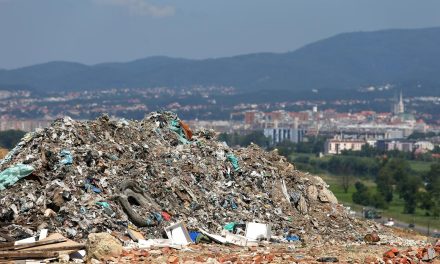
x=94 y=31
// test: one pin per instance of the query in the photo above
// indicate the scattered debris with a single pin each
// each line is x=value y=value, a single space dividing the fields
x=51 y=247
x=102 y=246
x=258 y=231
x=11 y=175
x=328 y=259
x=412 y=254
x=136 y=236
x=372 y=238
x=178 y=234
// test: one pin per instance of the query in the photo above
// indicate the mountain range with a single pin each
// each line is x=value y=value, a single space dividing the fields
x=405 y=57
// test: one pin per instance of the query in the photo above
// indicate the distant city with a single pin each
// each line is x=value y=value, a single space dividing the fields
x=294 y=121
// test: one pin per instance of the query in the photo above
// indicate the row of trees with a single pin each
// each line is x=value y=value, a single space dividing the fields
x=370 y=151
x=395 y=177
x=344 y=167
x=10 y=138
x=314 y=145
x=235 y=139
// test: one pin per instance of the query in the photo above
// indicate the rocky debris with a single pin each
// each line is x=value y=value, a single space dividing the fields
x=102 y=246
x=107 y=175
x=396 y=240
x=413 y=254
x=264 y=253
x=326 y=196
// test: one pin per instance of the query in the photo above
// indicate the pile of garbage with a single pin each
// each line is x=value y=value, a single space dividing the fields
x=81 y=177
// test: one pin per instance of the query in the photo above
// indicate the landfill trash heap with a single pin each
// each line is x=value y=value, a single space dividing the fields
x=82 y=177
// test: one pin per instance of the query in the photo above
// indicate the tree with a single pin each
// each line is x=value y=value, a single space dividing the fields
x=430 y=200
x=286 y=148
x=10 y=138
x=256 y=137
x=343 y=167
x=302 y=160
x=398 y=172
x=408 y=187
x=318 y=144
x=421 y=135
x=385 y=181
x=377 y=200
x=346 y=182
x=361 y=195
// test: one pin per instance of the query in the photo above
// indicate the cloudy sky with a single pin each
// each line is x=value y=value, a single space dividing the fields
x=94 y=31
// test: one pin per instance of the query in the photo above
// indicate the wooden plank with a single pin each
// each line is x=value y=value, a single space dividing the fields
x=136 y=236
x=35 y=244
x=58 y=247
x=66 y=247
x=6 y=245
x=27 y=255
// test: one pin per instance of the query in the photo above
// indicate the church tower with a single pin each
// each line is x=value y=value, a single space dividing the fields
x=398 y=107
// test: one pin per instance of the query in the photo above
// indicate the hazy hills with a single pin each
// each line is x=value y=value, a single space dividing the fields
x=345 y=61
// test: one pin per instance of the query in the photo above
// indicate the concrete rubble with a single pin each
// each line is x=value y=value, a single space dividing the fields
x=103 y=245
x=412 y=254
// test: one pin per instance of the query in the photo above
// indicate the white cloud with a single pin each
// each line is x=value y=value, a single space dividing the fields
x=141 y=7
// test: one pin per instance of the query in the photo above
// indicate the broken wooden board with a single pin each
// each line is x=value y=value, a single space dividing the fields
x=135 y=235
x=67 y=247
x=27 y=255
x=33 y=244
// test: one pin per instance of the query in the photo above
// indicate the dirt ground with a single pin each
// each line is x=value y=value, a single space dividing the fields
x=265 y=254
x=273 y=253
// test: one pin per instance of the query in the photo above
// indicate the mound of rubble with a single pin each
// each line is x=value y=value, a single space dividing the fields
x=77 y=178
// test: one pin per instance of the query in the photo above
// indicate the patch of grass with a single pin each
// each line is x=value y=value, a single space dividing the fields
x=336 y=187
x=420 y=166
x=295 y=155
x=395 y=209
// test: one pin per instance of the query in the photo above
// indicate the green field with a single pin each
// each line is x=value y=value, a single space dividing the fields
x=394 y=210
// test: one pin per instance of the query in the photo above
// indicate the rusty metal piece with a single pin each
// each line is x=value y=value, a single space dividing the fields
x=186 y=130
x=372 y=238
